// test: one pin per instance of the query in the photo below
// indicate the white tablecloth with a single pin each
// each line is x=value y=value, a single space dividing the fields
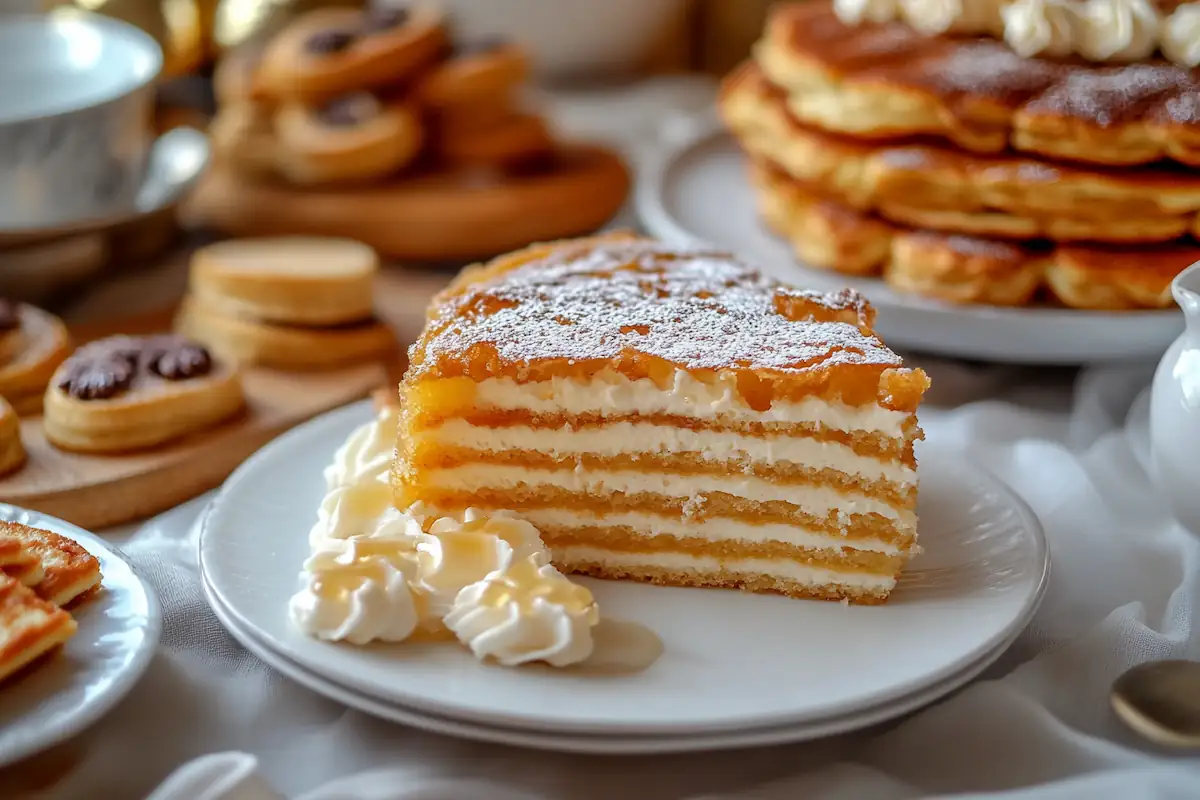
x=1124 y=586
x=1125 y=582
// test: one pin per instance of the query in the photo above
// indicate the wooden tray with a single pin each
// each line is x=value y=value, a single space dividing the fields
x=439 y=217
x=100 y=491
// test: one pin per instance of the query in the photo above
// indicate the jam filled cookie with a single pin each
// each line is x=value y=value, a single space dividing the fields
x=331 y=51
x=516 y=141
x=12 y=452
x=289 y=347
x=475 y=73
x=243 y=137
x=353 y=137
x=33 y=344
x=293 y=281
x=127 y=393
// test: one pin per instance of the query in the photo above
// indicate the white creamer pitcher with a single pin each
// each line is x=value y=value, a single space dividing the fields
x=1175 y=409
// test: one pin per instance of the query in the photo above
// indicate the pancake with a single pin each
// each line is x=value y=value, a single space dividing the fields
x=963 y=269
x=887 y=81
x=929 y=185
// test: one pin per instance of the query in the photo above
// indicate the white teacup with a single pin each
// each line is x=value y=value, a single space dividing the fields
x=76 y=100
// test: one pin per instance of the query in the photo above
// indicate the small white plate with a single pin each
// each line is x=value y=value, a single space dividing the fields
x=757 y=660
x=696 y=192
x=592 y=744
x=118 y=631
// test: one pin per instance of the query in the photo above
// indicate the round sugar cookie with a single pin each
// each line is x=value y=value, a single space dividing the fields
x=285 y=347
x=474 y=73
x=354 y=137
x=42 y=345
x=287 y=280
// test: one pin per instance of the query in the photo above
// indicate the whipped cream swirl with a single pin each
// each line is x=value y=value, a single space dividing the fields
x=1047 y=27
x=858 y=11
x=1181 y=35
x=934 y=17
x=524 y=613
x=1117 y=30
x=455 y=552
x=380 y=574
x=367 y=454
x=359 y=591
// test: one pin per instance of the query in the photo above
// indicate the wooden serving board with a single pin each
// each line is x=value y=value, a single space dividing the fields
x=95 y=491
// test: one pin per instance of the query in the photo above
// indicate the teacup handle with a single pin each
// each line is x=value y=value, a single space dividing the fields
x=177 y=160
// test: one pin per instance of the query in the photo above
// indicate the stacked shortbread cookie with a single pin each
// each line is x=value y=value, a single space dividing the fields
x=289 y=303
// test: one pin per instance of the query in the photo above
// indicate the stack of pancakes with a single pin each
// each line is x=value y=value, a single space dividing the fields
x=958 y=169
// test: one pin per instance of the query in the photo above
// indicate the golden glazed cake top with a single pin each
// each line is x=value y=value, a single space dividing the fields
x=644 y=309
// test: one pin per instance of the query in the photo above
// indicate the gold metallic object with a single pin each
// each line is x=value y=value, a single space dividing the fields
x=1160 y=700
x=174 y=24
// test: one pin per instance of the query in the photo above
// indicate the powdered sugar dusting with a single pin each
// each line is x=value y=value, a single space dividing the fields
x=1112 y=95
x=991 y=69
x=696 y=309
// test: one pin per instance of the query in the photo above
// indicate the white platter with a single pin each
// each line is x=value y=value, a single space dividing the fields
x=592 y=744
x=758 y=661
x=696 y=192
x=118 y=631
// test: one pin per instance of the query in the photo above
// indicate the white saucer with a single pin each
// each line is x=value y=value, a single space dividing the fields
x=177 y=160
x=696 y=192
x=592 y=744
x=758 y=661
x=118 y=631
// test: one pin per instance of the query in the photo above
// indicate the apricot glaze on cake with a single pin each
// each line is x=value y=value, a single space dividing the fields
x=668 y=416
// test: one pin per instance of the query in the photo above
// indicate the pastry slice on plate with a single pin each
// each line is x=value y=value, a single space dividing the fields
x=16 y=559
x=30 y=627
x=68 y=570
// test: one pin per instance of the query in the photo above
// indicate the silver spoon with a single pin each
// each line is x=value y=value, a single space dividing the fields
x=1160 y=700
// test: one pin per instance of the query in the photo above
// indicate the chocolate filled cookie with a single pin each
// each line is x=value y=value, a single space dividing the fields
x=476 y=72
x=351 y=137
x=332 y=51
x=32 y=345
x=128 y=393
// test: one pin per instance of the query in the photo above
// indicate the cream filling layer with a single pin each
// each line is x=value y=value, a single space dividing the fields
x=749 y=567
x=611 y=393
x=817 y=500
x=713 y=530
x=628 y=438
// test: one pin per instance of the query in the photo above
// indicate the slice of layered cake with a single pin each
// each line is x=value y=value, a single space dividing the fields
x=668 y=416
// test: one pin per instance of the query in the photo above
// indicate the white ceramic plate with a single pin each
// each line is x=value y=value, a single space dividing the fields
x=592 y=744
x=696 y=193
x=118 y=631
x=757 y=660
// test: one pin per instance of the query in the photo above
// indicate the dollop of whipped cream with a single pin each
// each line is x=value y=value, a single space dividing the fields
x=934 y=17
x=1117 y=30
x=1099 y=30
x=360 y=590
x=459 y=551
x=526 y=612
x=367 y=454
x=854 y=12
x=377 y=573
x=1180 y=35
x=1041 y=26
